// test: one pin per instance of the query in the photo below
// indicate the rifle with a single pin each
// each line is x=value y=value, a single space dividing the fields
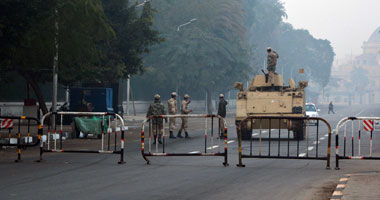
x=266 y=76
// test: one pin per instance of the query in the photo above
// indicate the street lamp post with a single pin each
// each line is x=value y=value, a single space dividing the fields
x=129 y=77
x=55 y=69
x=141 y=4
x=178 y=27
x=187 y=23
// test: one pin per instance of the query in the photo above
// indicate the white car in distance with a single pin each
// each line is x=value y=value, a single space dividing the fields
x=312 y=111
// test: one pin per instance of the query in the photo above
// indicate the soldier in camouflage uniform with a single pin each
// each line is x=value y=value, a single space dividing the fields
x=271 y=64
x=222 y=112
x=185 y=111
x=155 y=109
x=172 y=110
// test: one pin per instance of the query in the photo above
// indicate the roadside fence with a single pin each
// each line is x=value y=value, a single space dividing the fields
x=273 y=139
x=213 y=139
x=55 y=142
x=26 y=127
x=363 y=139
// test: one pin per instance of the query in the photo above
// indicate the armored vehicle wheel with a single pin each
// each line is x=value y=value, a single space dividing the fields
x=299 y=130
x=246 y=133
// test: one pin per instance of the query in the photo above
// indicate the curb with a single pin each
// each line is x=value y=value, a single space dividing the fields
x=338 y=193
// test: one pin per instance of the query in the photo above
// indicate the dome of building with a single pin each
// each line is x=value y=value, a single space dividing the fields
x=375 y=37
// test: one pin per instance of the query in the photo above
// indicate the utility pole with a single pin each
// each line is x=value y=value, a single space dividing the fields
x=206 y=103
x=67 y=97
x=120 y=98
x=128 y=92
x=55 y=68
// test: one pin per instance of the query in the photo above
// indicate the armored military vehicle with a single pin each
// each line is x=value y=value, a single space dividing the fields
x=264 y=99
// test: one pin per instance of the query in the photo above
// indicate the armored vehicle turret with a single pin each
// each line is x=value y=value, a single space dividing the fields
x=261 y=98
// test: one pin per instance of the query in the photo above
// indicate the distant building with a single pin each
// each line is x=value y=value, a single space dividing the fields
x=343 y=90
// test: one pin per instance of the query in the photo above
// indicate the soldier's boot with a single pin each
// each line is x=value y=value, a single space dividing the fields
x=187 y=135
x=159 y=140
x=154 y=139
x=179 y=134
x=171 y=135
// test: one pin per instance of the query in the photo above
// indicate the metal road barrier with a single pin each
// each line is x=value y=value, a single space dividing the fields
x=57 y=144
x=364 y=150
x=8 y=123
x=209 y=135
x=271 y=142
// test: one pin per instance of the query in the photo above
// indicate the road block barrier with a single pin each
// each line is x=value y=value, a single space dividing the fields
x=56 y=145
x=271 y=142
x=24 y=134
x=211 y=122
x=364 y=151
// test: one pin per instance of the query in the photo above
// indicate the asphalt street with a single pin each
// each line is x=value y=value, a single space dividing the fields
x=98 y=176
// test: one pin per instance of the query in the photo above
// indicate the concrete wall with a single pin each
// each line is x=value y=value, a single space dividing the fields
x=198 y=106
x=17 y=108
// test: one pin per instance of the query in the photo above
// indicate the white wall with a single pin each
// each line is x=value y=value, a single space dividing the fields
x=198 y=106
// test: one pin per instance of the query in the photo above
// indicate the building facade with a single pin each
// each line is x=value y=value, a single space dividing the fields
x=356 y=79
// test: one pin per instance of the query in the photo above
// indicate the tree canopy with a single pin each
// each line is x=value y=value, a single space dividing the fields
x=93 y=43
x=209 y=54
x=187 y=46
x=227 y=43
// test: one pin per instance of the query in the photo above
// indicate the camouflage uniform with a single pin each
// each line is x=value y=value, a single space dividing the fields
x=156 y=108
x=172 y=109
x=222 y=112
x=185 y=111
x=271 y=65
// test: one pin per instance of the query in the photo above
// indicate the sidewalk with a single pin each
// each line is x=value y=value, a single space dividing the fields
x=363 y=186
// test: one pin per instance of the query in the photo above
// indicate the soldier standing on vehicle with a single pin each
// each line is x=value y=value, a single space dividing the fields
x=271 y=64
x=184 y=111
x=156 y=109
x=222 y=112
x=172 y=110
x=331 y=107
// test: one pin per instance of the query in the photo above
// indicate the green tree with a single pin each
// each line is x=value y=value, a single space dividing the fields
x=95 y=45
x=28 y=32
x=297 y=48
x=134 y=36
x=208 y=55
x=262 y=19
x=226 y=44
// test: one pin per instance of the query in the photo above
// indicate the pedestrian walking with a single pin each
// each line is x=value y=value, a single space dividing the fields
x=271 y=64
x=222 y=112
x=172 y=110
x=155 y=109
x=184 y=110
x=331 y=108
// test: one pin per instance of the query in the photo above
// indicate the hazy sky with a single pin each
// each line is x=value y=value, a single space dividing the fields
x=346 y=23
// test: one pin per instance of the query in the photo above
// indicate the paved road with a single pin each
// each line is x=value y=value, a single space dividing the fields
x=94 y=176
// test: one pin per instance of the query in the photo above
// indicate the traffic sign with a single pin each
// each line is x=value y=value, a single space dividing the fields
x=368 y=125
x=377 y=125
x=7 y=123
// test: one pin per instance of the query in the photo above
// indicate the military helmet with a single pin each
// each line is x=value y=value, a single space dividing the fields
x=174 y=94
x=157 y=96
x=269 y=49
x=186 y=96
x=221 y=96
